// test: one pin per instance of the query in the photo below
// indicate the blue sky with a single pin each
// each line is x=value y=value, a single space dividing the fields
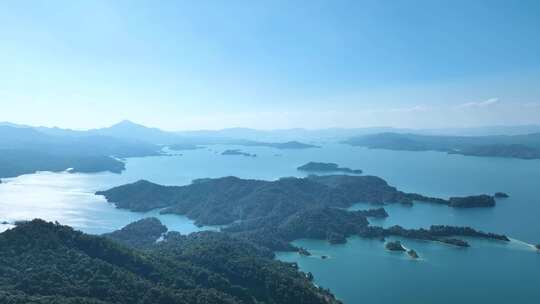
x=270 y=64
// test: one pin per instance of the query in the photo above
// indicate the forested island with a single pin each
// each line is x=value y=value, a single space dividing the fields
x=222 y=201
x=413 y=254
x=501 y=195
x=455 y=242
x=327 y=167
x=293 y=145
x=47 y=263
x=438 y=233
x=274 y=213
x=509 y=146
x=394 y=246
x=237 y=152
x=472 y=201
x=184 y=146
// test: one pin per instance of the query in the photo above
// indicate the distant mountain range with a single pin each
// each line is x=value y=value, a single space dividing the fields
x=124 y=130
x=130 y=130
x=344 y=133
x=525 y=146
x=86 y=143
x=26 y=149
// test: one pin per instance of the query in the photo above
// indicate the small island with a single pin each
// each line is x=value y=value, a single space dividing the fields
x=455 y=242
x=472 y=201
x=289 y=145
x=292 y=145
x=303 y=251
x=184 y=146
x=237 y=152
x=394 y=246
x=538 y=247
x=436 y=233
x=327 y=167
x=413 y=254
x=501 y=195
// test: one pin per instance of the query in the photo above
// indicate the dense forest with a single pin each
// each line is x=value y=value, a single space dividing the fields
x=222 y=201
x=274 y=213
x=140 y=234
x=43 y=262
x=437 y=233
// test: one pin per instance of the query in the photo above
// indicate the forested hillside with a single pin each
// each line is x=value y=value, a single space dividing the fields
x=43 y=262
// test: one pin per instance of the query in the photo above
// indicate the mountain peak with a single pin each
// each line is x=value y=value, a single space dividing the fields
x=126 y=123
x=130 y=130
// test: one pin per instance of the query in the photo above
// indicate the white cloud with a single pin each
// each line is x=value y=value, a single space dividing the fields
x=479 y=104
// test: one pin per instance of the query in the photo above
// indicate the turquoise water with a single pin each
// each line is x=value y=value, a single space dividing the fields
x=360 y=270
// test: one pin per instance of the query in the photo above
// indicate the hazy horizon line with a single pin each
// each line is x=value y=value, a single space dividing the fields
x=202 y=129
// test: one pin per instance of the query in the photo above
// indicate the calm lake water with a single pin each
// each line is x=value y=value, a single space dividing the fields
x=361 y=270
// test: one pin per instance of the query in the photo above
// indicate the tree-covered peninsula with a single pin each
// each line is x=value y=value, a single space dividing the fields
x=47 y=263
x=274 y=213
x=222 y=201
x=25 y=150
x=140 y=234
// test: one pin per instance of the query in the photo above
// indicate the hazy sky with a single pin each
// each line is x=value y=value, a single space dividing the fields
x=270 y=64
